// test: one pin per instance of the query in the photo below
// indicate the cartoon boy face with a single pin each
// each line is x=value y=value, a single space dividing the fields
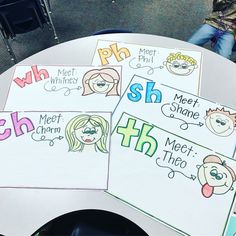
x=220 y=122
x=179 y=64
x=88 y=134
x=99 y=85
x=215 y=176
x=179 y=67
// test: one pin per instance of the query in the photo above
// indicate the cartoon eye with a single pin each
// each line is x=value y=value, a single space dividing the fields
x=101 y=84
x=86 y=130
x=219 y=176
x=223 y=123
x=184 y=66
x=213 y=172
x=218 y=121
x=93 y=131
x=176 y=64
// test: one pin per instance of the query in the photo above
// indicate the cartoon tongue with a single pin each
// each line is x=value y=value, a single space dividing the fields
x=207 y=190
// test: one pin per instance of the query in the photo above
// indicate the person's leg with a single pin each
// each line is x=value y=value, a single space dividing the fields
x=224 y=45
x=234 y=48
x=203 y=35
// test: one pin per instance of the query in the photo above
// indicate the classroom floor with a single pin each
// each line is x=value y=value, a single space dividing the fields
x=79 y=18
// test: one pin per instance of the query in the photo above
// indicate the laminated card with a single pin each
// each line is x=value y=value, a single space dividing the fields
x=197 y=119
x=174 y=157
x=231 y=229
x=64 y=88
x=54 y=149
x=183 y=184
x=176 y=67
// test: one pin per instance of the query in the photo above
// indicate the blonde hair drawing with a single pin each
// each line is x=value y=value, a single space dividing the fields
x=179 y=56
x=87 y=130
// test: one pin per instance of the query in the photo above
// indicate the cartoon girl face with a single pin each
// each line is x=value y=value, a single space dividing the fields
x=88 y=134
x=101 y=81
x=100 y=85
x=87 y=130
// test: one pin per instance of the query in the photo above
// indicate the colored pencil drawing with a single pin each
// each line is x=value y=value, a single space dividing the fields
x=215 y=176
x=220 y=122
x=87 y=130
x=101 y=81
x=179 y=64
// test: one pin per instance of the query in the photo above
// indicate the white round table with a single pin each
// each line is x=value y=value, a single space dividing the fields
x=23 y=211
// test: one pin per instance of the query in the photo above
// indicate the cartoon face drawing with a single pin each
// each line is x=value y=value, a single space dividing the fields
x=179 y=64
x=220 y=122
x=99 y=85
x=88 y=134
x=87 y=130
x=101 y=81
x=215 y=176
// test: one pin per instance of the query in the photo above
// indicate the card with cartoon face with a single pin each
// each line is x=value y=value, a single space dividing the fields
x=64 y=150
x=65 y=88
x=207 y=123
x=176 y=67
x=183 y=184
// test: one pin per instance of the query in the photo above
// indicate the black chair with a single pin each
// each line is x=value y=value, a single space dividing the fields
x=111 y=31
x=90 y=222
x=22 y=16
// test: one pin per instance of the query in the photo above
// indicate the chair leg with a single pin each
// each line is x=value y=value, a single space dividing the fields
x=49 y=6
x=48 y=12
x=9 y=49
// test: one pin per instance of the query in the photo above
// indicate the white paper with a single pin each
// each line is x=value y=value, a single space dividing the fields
x=64 y=88
x=176 y=67
x=68 y=150
x=209 y=124
x=172 y=179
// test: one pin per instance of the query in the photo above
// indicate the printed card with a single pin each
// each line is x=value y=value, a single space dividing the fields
x=184 y=185
x=231 y=229
x=68 y=150
x=64 y=88
x=197 y=119
x=176 y=67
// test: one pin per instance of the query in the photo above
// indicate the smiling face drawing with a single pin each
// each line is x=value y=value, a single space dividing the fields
x=100 y=85
x=102 y=81
x=88 y=134
x=87 y=130
x=215 y=176
x=179 y=64
x=220 y=122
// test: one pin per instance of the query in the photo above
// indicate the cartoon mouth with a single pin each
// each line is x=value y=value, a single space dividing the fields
x=88 y=140
x=207 y=190
x=212 y=126
x=100 y=87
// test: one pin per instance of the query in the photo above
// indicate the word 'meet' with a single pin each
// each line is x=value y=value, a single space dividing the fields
x=28 y=79
x=135 y=94
x=176 y=147
x=144 y=138
x=146 y=55
x=45 y=121
x=17 y=125
x=105 y=53
x=176 y=106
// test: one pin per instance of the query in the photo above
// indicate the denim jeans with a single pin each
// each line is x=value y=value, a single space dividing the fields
x=223 y=45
